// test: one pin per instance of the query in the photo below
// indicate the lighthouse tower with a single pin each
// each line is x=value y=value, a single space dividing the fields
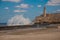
x=44 y=12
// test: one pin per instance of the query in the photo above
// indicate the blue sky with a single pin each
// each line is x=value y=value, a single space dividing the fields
x=28 y=8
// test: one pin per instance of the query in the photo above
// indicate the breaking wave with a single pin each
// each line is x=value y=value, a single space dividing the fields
x=18 y=20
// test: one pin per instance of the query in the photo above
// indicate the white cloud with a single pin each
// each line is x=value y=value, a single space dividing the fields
x=12 y=0
x=53 y=2
x=58 y=10
x=20 y=10
x=18 y=20
x=39 y=6
x=18 y=6
x=31 y=6
x=6 y=8
x=23 y=6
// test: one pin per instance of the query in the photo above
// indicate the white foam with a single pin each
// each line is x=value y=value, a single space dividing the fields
x=18 y=20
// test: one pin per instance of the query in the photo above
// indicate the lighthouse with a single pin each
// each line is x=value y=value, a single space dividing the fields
x=44 y=12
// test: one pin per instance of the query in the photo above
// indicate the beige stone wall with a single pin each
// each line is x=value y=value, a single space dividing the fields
x=49 y=18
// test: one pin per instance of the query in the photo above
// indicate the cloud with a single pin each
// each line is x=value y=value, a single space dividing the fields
x=6 y=8
x=23 y=6
x=58 y=10
x=20 y=10
x=26 y=6
x=53 y=2
x=39 y=6
x=18 y=20
x=31 y=6
x=12 y=0
x=18 y=6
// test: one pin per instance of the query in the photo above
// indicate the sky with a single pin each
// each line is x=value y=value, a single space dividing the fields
x=26 y=9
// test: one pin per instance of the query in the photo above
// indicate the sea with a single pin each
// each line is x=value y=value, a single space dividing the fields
x=3 y=24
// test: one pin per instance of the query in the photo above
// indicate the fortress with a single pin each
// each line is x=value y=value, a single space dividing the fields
x=47 y=18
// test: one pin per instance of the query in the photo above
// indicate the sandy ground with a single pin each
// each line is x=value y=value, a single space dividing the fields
x=33 y=35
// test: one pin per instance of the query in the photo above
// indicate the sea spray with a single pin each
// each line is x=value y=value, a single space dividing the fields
x=18 y=20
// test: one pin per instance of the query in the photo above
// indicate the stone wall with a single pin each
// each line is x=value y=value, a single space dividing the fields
x=50 y=18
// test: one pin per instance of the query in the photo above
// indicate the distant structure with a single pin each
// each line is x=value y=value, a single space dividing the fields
x=47 y=18
x=38 y=18
x=44 y=13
